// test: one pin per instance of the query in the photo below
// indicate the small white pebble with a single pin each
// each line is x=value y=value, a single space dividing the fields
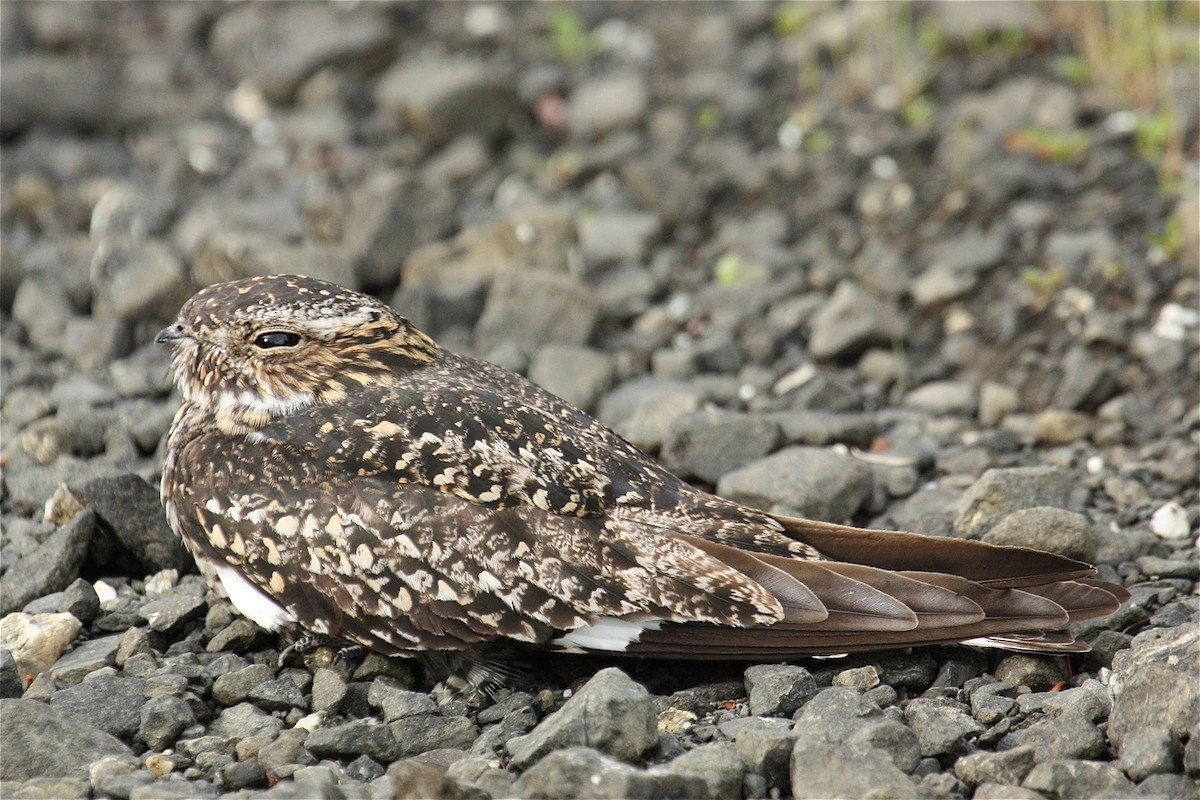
x=1095 y=465
x=106 y=593
x=1170 y=522
x=884 y=167
x=311 y=722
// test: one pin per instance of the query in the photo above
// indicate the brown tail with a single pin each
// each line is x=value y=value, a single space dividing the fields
x=882 y=589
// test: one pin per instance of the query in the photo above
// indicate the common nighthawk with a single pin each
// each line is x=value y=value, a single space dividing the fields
x=338 y=472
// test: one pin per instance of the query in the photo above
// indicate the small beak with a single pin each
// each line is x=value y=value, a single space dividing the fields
x=171 y=333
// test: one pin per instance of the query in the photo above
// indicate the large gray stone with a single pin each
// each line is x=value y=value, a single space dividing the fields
x=443 y=98
x=40 y=741
x=1154 y=683
x=708 y=444
x=51 y=567
x=777 y=690
x=131 y=508
x=853 y=320
x=1054 y=530
x=804 y=481
x=610 y=713
x=565 y=311
x=823 y=770
x=999 y=492
x=583 y=773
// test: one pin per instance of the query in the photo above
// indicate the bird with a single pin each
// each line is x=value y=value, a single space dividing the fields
x=340 y=474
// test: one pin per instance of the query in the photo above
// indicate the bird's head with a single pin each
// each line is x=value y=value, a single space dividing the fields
x=250 y=350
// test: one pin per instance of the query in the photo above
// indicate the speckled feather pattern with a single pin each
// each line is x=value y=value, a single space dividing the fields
x=385 y=492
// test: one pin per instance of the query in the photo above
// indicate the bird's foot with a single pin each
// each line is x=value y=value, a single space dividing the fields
x=466 y=675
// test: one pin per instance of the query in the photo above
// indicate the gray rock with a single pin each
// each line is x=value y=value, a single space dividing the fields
x=1002 y=491
x=51 y=567
x=91 y=343
x=1057 y=738
x=11 y=685
x=821 y=429
x=853 y=320
x=942 y=726
x=583 y=773
x=1090 y=700
x=1092 y=779
x=1007 y=768
x=974 y=250
x=717 y=764
x=328 y=689
x=281 y=694
x=1054 y=530
x=444 y=98
x=1172 y=786
x=278 y=48
x=566 y=313
x=835 y=713
x=861 y=678
x=943 y=398
x=109 y=702
x=1154 y=568
x=577 y=374
x=381 y=228
x=768 y=753
x=130 y=507
x=777 y=690
x=355 y=738
x=534 y=238
x=1034 y=671
x=805 y=481
x=1149 y=751
x=244 y=720
x=606 y=103
x=476 y=775
x=649 y=423
x=424 y=732
x=43 y=309
x=80 y=601
x=364 y=769
x=41 y=741
x=608 y=237
x=248 y=774
x=891 y=737
x=88 y=657
x=662 y=185
x=163 y=718
x=234 y=687
x=1055 y=426
x=170 y=613
x=708 y=444
x=1153 y=683
x=114 y=776
x=228 y=254
x=287 y=749
x=610 y=713
x=821 y=770
x=137 y=279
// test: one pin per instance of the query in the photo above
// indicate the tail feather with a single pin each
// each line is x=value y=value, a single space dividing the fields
x=881 y=590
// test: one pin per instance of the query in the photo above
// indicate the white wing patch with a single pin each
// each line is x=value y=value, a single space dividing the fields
x=613 y=634
x=252 y=602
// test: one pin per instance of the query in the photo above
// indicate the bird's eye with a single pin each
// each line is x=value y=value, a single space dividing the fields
x=276 y=339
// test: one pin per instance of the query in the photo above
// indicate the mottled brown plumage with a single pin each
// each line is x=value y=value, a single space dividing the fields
x=338 y=471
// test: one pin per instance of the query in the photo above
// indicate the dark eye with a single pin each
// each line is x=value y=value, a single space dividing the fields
x=276 y=339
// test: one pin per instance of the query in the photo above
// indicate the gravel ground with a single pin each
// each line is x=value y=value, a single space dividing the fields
x=739 y=234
